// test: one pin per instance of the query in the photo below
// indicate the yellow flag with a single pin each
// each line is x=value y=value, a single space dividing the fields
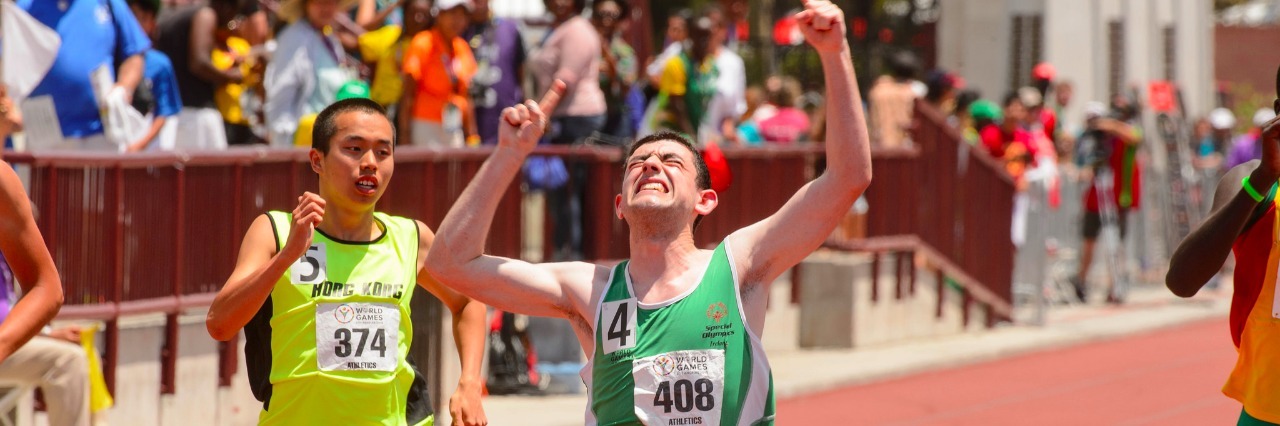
x=99 y=398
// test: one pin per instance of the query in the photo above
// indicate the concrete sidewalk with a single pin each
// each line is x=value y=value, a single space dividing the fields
x=799 y=372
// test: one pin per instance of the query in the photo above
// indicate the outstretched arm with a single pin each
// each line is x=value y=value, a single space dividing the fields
x=1202 y=253
x=468 y=337
x=767 y=248
x=457 y=256
x=33 y=268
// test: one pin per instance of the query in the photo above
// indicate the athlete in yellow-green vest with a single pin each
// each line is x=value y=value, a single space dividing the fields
x=323 y=293
x=672 y=334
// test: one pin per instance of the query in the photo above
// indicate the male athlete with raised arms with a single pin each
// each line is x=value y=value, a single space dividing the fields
x=323 y=293
x=673 y=333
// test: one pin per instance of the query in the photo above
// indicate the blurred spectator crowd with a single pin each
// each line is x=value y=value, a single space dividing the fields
x=141 y=75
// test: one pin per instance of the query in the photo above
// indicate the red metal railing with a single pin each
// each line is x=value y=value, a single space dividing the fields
x=158 y=233
x=955 y=199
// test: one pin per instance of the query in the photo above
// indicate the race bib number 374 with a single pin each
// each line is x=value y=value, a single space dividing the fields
x=680 y=387
x=357 y=336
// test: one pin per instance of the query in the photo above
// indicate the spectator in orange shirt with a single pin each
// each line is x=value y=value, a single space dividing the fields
x=438 y=66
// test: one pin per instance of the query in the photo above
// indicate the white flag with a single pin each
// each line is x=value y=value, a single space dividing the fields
x=29 y=48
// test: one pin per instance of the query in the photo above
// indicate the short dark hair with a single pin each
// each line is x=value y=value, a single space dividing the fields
x=699 y=164
x=326 y=124
x=152 y=6
x=704 y=175
x=903 y=64
x=1278 y=82
x=1009 y=98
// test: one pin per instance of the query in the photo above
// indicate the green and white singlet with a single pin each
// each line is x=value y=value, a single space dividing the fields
x=692 y=360
x=330 y=344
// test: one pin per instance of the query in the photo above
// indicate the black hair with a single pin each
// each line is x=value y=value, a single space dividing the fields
x=1009 y=98
x=938 y=82
x=152 y=6
x=903 y=64
x=965 y=98
x=699 y=164
x=1278 y=82
x=326 y=124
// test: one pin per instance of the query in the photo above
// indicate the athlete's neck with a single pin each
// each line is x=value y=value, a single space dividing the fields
x=662 y=259
x=349 y=224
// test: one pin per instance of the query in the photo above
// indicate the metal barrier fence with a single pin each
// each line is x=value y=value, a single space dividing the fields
x=957 y=200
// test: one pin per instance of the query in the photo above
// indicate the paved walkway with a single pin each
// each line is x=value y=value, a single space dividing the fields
x=801 y=375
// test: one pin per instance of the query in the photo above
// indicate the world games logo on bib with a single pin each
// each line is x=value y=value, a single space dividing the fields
x=344 y=313
x=664 y=365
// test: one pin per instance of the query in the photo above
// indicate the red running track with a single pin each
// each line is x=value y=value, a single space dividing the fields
x=1172 y=376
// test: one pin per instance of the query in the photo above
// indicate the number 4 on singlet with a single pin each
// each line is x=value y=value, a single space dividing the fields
x=620 y=325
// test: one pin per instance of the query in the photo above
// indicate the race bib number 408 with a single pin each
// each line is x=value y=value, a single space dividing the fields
x=680 y=387
x=357 y=336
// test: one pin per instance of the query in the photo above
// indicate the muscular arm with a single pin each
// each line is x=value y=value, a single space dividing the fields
x=767 y=248
x=1201 y=253
x=32 y=266
x=457 y=258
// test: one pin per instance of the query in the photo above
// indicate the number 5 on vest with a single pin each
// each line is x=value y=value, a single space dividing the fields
x=620 y=325
x=310 y=268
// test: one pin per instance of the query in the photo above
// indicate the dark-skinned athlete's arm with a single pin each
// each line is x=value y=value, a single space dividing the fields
x=259 y=266
x=1202 y=253
x=469 y=330
x=767 y=248
x=32 y=266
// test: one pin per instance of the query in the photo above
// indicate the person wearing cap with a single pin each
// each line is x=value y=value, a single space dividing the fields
x=942 y=88
x=1223 y=123
x=1243 y=221
x=982 y=113
x=1246 y=147
x=438 y=67
x=308 y=69
x=1008 y=141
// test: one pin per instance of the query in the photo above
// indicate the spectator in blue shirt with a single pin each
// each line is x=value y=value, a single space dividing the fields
x=95 y=33
x=157 y=96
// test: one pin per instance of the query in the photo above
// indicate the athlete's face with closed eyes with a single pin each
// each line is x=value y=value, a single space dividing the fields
x=660 y=183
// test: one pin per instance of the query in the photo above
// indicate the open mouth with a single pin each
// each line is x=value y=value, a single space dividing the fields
x=653 y=185
x=367 y=185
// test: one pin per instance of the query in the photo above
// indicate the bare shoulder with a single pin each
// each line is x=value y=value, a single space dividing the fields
x=262 y=236
x=1230 y=183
